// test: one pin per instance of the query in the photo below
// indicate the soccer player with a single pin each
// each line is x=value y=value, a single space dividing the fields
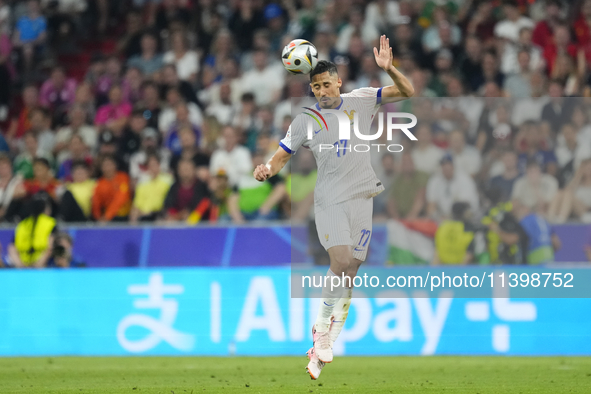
x=344 y=189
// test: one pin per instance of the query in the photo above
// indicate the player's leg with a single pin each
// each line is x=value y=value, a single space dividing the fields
x=333 y=228
x=361 y=215
x=340 y=260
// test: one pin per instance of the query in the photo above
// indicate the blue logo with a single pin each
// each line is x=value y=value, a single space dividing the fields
x=316 y=132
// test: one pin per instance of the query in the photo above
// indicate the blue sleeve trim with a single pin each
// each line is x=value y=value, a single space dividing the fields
x=379 y=97
x=285 y=148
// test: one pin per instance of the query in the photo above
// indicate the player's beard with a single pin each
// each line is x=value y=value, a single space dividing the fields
x=328 y=104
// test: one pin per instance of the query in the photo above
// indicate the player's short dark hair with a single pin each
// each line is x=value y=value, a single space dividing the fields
x=322 y=67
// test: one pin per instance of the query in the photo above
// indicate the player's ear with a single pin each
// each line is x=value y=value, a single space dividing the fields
x=339 y=82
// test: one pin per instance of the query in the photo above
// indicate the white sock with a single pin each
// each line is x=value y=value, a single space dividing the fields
x=329 y=299
x=340 y=313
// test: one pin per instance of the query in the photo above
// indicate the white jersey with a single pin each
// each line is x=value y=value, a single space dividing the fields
x=343 y=173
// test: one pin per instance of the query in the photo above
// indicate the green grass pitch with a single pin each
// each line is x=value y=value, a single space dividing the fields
x=185 y=375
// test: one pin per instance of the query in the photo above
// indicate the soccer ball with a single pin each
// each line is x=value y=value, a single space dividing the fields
x=299 y=57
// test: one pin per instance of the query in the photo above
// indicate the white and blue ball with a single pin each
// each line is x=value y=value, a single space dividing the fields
x=299 y=57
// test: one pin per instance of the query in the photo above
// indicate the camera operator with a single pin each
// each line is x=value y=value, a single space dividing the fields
x=61 y=256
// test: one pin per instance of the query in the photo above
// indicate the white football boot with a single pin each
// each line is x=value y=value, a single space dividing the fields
x=315 y=365
x=322 y=345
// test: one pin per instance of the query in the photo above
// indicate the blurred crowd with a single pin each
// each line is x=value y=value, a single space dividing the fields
x=151 y=110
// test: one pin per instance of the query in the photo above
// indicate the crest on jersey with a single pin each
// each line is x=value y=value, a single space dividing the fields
x=351 y=115
x=326 y=236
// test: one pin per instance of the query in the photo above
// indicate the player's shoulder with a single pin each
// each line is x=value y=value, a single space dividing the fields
x=362 y=92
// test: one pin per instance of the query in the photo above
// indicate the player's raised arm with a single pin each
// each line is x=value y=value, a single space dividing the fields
x=273 y=166
x=402 y=87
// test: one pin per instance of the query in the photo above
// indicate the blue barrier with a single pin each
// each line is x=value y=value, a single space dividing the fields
x=230 y=246
x=248 y=311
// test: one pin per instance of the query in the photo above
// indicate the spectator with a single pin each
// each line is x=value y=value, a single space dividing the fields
x=30 y=34
x=407 y=193
x=114 y=115
x=132 y=136
x=76 y=202
x=356 y=27
x=172 y=141
x=133 y=80
x=582 y=29
x=508 y=28
x=223 y=110
x=509 y=61
x=149 y=146
x=220 y=194
x=221 y=50
x=171 y=80
x=426 y=155
x=447 y=187
x=12 y=190
x=20 y=123
x=169 y=114
x=58 y=92
x=232 y=158
x=188 y=198
x=86 y=100
x=442 y=35
x=303 y=179
x=78 y=126
x=532 y=145
x=244 y=21
x=542 y=241
x=110 y=78
x=130 y=44
x=464 y=156
x=490 y=74
x=190 y=150
x=470 y=64
x=78 y=151
x=264 y=81
x=543 y=33
x=518 y=84
x=253 y=200
x=559 y=110
x=32 y=244
x=535 y=189
x=40 y=121
x=513 y=242
x=149 y=61
x=62 y=253
x=561 y=44
x=151 y=103
x=244 y=117
x=7 y=69
x=482 y=23
x=575 y=200
x=151 y=192
x=454 y=239
x=505 y=181
x=111 y=200
x=185 y=60
x=23 y=163
x=43 y=180
x=570 y=152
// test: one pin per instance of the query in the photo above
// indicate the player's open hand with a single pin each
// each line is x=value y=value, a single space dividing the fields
x=262 y=172
x=384 y=57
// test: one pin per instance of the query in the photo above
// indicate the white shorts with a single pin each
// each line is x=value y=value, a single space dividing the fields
x=348 y=223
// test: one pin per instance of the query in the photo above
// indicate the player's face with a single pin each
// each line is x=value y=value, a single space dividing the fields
x=326 y=88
